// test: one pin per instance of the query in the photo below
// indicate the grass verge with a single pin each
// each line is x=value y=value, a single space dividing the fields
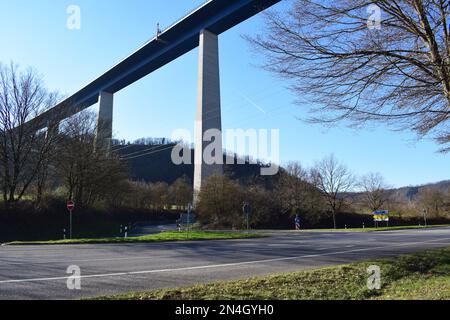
x=424 y=276
x=377 y=229
x=160 y=237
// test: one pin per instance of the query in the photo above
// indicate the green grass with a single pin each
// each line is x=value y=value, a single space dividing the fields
x=377 y=229
x=164 y=236
x=424 y=275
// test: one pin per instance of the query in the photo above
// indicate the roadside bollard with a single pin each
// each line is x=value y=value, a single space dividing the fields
x=121 y=228
x=126 y=232
x=64 y=234
x=364 y=226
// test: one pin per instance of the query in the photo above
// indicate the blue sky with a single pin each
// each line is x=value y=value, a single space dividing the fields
x=34 y=34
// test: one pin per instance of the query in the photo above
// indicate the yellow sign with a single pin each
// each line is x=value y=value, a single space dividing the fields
x=381 y=217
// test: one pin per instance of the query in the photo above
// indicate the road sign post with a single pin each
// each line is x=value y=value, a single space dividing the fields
x=246 y=210
x=425 y=217
x=70 y=207
x=381 y=216
x=188 y=218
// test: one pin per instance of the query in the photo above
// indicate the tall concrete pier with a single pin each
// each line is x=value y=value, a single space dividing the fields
x=52 y=129
x=209 y=119
x=103 y=136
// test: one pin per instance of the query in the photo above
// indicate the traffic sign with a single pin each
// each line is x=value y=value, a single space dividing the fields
x=381 y=215
x=246 y=209
x=70 y=205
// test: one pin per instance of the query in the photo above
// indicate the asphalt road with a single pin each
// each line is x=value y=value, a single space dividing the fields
x=143 y=229
x=39 y=272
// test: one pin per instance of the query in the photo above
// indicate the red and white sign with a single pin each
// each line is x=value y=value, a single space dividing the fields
x=70 y=205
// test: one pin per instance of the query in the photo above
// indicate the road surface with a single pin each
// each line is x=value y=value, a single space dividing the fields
x=143 y=229
x=39 y=272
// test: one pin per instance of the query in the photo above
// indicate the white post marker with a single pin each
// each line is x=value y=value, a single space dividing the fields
x=189 y=217
x=425 y=217
x=70 y=207
x=126 y=232
x=246 y=209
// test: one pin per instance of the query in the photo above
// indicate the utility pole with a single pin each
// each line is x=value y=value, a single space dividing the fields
x=425 y=212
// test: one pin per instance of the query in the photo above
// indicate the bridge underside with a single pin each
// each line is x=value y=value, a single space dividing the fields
x=216 y=16
x=201 y=27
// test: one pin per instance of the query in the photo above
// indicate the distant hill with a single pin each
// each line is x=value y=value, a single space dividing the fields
x=150 y=160
x=404 y=194
x=411 y=192
x=153 y=163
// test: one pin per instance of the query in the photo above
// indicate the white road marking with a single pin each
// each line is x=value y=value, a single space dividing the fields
x=440 y=243
x=332 y=248
x=218 y=265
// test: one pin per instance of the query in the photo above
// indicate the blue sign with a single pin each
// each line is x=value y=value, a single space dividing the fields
x=381 y=215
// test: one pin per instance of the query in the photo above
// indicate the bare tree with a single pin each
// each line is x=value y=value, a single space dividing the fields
x=139 y=195
x=355 y=67
x=181 y=192
x=87 y=175
x=293 y=189
x=375 y=191
x=159 y=195
x=23 y=147
x=432 y=200
x=333 y=179
x=221 y=202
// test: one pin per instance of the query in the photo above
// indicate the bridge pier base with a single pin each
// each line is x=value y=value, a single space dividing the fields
x=208 y=127
x=103 y=137
x=52 y=129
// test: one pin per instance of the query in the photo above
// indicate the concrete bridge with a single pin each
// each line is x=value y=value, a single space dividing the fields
x=200 y=28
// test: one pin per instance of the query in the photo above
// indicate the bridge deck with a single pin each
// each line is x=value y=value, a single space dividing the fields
x=216 y=16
